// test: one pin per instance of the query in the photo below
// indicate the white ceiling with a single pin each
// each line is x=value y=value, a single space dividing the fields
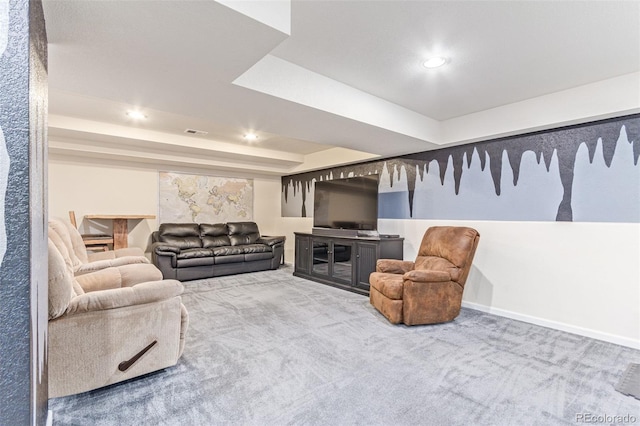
x=342 y=74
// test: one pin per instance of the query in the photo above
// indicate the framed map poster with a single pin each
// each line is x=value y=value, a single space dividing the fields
x=204 y=199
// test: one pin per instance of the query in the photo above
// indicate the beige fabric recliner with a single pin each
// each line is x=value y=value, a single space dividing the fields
x=429 y=290
x=100 y=337
x=69 y=241
x=128 y=266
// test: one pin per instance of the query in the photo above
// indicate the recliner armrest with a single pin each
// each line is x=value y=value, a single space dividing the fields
x=107 y=263
x=101 y=255
x=271 y=240
x=104 y=279
x=117 y=277
x=128 y=253
x=92 y=267
x=427 y=276
x=394 y=266
x=139 y=294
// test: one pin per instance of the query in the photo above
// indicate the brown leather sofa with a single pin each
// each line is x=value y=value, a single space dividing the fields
x=429 y=290
x=189 y=251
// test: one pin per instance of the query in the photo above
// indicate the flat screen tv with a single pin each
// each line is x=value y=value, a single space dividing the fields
x=350 y=203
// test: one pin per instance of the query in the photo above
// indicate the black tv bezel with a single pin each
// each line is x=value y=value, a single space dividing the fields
x=330 y=182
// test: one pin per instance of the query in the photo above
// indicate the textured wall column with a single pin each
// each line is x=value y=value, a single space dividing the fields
x=23 y=207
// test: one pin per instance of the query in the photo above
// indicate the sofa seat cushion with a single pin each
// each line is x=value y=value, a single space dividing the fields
x=231 y=258
x=226 y=251
x=194 y=253
x=241 y=253
x=255 y=248
x=249 y=257
x=195 y=261
x=194 y=257
x=389 y=285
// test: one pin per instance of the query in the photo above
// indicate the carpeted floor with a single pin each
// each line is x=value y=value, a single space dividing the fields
x=271 y=349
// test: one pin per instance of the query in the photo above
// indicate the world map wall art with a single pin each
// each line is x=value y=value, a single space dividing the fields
x=585 y=173
x=204 y=199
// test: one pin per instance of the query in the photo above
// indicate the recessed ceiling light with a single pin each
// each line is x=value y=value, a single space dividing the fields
x=250 y=137
x=136 y=115
x=435 y=62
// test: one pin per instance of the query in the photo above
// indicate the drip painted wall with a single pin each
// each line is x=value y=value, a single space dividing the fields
x=586 y=173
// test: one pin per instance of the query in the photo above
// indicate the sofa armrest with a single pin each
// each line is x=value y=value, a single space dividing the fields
x=394 y=266
x=427 y=276
x=139 y=294
x=271 y=240
x=164 y=249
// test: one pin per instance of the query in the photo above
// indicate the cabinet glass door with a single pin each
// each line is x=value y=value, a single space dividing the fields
x=342 y=262
x=321 y=257
x=333 y=260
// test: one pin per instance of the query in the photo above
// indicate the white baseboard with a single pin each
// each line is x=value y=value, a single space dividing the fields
x=49 y=418
x=594 y=334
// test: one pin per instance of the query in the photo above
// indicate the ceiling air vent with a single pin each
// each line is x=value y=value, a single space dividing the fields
x=195 y=132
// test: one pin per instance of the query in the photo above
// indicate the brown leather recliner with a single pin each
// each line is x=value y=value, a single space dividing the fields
x=429 y=290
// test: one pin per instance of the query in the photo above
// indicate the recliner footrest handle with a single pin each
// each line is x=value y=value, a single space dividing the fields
x=125 y=365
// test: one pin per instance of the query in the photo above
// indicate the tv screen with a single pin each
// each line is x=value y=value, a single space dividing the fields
x=350 y=203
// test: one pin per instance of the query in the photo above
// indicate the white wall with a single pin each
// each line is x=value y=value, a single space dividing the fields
x=101 y=187
x=94 y=188
x=578 y=277
x=583 y=278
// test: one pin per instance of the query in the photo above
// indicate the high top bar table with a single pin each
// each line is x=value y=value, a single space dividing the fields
x=120 y=226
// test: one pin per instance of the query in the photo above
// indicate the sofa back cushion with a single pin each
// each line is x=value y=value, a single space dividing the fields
x=243 y=233
x=216 y=235
x=182 y=235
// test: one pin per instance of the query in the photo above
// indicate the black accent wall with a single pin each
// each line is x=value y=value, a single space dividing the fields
x=556 y=146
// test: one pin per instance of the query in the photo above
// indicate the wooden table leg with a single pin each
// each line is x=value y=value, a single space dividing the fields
x=120 y=234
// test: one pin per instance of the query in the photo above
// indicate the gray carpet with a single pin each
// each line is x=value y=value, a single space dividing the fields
x=271 y=349
x=629 y=383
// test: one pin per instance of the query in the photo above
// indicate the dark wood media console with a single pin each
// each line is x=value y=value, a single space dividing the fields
x=343 y=262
